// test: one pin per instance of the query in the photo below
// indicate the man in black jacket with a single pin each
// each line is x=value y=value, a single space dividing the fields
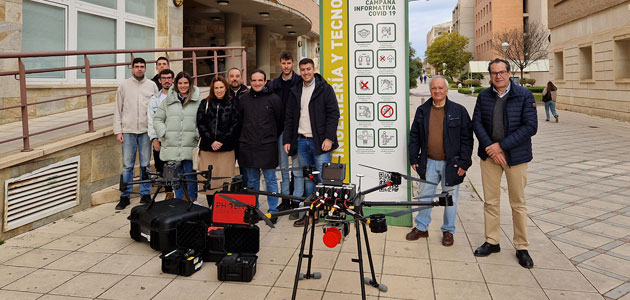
x=504 y=121
x=282 y=87
x=311 y=120
x=160 y=64
x=237 y=88
x=440 y=147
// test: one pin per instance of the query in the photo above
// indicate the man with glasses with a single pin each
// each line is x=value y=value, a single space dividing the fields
x=166 y=81
x=130 y=127
x=504 y=122
x=160 y=64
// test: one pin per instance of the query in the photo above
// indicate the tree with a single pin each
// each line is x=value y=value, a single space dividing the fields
x=415 y=68
x=449 y=49
x=525 y=47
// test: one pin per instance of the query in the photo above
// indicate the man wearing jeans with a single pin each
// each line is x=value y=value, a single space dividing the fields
x=130 y=127
x=282 y=87
x=311 y=122
x=440 y=149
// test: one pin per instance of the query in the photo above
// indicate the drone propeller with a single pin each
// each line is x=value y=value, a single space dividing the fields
x=262 y=215
x=402 y=175
x=407 y=211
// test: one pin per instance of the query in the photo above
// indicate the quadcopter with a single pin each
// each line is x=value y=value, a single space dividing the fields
x=340 y=205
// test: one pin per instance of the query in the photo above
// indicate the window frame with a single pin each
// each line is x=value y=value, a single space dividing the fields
x=119 y=15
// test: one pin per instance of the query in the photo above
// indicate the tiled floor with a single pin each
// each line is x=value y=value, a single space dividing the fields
x=579 y=234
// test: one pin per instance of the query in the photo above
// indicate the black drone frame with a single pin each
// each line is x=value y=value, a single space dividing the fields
x=377 y=223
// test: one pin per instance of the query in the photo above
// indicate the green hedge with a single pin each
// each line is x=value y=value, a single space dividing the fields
x=535 y=89
x=466 y=91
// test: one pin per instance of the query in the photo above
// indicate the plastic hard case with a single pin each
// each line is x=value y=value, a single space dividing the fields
x=215 y=244
x=237 y=267
x=242 y=242
x=157 y=223
x=187 y=258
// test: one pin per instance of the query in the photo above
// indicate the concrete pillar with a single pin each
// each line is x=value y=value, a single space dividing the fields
x=233 y=37
x=263 y=49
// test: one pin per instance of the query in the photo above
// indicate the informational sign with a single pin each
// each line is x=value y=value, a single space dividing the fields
x=374 y=38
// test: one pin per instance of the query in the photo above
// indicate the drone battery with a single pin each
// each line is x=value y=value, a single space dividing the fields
x=181 y=261
x=237 y=267
x=157 y=224
x=215 y=241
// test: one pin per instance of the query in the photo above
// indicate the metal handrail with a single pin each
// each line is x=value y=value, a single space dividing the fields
x=21 y=73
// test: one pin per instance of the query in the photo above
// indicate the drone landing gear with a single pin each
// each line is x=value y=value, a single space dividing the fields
x=298 y=275
x=365 y=280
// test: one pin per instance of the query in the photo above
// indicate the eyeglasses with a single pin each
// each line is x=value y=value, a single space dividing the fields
x=500 y=73
x=166 y=78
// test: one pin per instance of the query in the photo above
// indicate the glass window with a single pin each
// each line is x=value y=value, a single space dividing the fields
x=145 y=8
x=105 y=3
x=140 y=37
x=43 y=29
x=96 y=33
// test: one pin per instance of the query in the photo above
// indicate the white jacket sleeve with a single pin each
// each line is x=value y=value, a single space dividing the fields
x=153 y=106
x=118 y=110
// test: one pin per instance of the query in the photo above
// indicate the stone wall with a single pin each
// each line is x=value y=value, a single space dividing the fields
x=10 y=41
x=604 y=94
x=100 y=168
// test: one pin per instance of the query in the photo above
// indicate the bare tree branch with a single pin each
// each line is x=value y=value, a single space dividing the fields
x=525 y=47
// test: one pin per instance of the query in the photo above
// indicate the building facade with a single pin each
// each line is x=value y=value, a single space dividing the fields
x=590 y=56
x=438 y=30
x=492 y=17
x=464 y=21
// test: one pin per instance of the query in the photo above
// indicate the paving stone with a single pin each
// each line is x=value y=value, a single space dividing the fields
x=36 y=258
x=601 y=282
x=562 y=280
x=499 y=291
x=611 y=264
x=136 y=287
x=89 y=285
x=41 y=281
x=187 y=289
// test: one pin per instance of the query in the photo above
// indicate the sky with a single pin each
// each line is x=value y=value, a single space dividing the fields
x=422 y=16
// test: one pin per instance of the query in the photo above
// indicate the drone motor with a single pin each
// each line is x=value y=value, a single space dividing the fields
x=378 y=223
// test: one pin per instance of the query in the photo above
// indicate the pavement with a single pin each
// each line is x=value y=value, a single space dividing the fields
x=579 y=231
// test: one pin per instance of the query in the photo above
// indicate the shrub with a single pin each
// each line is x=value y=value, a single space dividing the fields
x=535 y=89
x=473 y=82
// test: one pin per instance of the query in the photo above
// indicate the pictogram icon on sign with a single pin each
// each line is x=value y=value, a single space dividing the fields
x=364 y=85
x=387 y=111
x=382 y=58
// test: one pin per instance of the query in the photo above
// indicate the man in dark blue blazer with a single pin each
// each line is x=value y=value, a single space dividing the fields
x=504 y=122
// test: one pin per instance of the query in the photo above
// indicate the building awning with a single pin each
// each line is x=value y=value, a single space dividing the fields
x=481 y=66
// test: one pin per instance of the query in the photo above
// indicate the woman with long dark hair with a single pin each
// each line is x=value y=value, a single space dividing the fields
x=175 y=123
x=217 y=121
x=549 y=97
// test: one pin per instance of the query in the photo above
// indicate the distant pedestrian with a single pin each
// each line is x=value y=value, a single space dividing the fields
x=166 y=81
x=218 y=120
x=175 y=123
x=425 y=78
x=549 y=97
x=130 y=127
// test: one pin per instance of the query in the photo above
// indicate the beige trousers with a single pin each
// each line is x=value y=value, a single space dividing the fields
x=516 y=176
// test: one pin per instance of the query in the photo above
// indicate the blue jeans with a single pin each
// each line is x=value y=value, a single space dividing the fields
x=191 y=187
x=253 y=182
x=298 y=175
x=550 y=105
x=135 y=142
x=435 y=173
x=306 y=152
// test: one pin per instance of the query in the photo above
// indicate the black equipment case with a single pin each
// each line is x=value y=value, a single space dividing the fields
x=242 y=242
x=215 y=244
x=187 y=258
x=156 y=223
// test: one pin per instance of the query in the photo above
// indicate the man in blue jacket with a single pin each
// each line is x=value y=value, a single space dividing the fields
x=440 y=147
x=504 y=121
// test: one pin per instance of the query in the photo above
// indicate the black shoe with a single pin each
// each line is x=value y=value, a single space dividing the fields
x=145 y=199
x=285 y=205
x=487 y=249
x=124 y=202
x=524 y=259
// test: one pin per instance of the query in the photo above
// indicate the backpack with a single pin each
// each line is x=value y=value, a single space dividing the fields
x=546 y=97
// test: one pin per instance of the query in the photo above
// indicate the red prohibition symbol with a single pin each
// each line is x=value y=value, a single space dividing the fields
x=387 y=111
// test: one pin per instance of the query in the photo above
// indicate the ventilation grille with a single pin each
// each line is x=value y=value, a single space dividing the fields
x=41 y=193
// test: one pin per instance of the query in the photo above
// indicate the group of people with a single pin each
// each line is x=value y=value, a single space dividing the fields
x=440 y=149
x=292 y=116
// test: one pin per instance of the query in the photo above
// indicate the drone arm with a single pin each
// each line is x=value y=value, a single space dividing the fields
x=257 y=192
x=287 y=212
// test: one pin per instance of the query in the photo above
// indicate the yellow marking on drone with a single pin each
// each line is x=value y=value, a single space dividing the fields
x=268 y=215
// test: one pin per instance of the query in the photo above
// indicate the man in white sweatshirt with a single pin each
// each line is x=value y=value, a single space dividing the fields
x=130 y=127
x=165 y=78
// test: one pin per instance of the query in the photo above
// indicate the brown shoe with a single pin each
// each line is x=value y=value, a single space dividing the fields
x=416 y=233
x=447 y=239
x=300 y=222
x=169 y=195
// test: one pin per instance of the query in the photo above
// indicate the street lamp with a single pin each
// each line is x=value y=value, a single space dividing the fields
x=505 y=46
x=443 y=69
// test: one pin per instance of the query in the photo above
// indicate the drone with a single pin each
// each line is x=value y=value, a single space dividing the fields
x=335 y=201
